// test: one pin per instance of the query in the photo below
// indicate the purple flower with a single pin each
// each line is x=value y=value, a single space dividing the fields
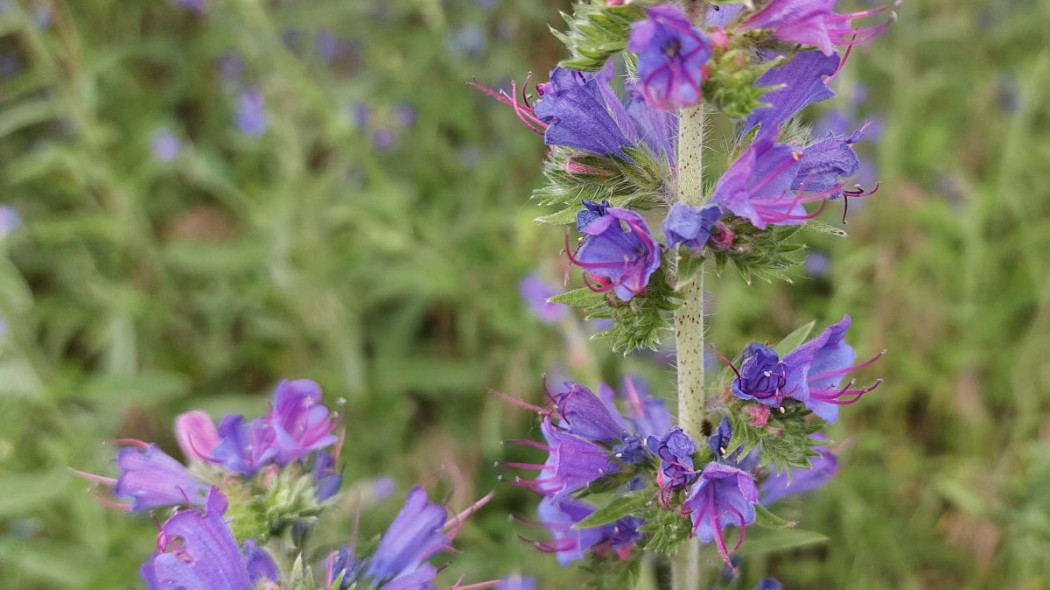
x=166 y=146
x=570 y=543
x=815 y=22
x=825 y=163
x=400 y=560
x=251 y=113
x=803 y=80
x=757 y=185
x=722 y=496
x=300 y=422
x=517 y=582
x=690 y=226
x=196 y=435
x=817 y=264
x=769 y=584
x=536 y=292
x=573 y=463
x=720 y=15
x=675 y=450
x=327 y=477
x=574 y=111
x=821 y=469
x=671 y=55
x=586 y=415
x=810 y=374
x=197 y=6
x=822 y=363
x=152 y=479
x=719 y=441
x=649 y=414
x=618 y=252
x=763 y=377
x=197 y=550
x=9 y=220
x=245 y=447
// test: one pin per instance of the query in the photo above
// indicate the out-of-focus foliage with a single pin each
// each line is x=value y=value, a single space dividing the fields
x=372 y=236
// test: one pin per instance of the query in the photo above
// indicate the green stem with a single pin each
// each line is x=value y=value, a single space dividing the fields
x=689 y=318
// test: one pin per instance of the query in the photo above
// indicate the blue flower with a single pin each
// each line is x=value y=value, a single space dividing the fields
x=618 y=252
x=802 y=80
x=586 y=415
x=675 y=450
x=400 y=560
x=671 y=55
x=570 y=543
x=244 y=447
x=152 y=479
x=757 y=185
x=300 y=422
x=574 y=109
x=573 y=463
x=810 y=374
x=722 y=496
x=197 y=550
x=719 y=441
x=517 y=582
x=825 y=163
x=690 y=226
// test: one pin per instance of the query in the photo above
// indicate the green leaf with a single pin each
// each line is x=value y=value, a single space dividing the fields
x=794 y=339
x=771 y=541
x=20 y=494
x=766 y=519
x=625 y=505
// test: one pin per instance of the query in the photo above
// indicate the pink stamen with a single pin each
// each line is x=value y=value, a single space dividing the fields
x=99 y=479
x=132 y=442
x=633 y=397
x=849 y=369
x=521 y=404
x=453 y=526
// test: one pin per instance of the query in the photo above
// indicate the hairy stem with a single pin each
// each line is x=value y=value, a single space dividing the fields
x=689 y=318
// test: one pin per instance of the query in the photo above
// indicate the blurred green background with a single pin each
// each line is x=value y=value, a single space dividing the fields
x=212 y=201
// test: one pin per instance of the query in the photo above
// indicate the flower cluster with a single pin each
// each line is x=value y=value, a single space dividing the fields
x=248 y=480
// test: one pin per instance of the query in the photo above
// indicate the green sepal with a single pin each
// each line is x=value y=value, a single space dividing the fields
x=785 y=439
x=596 y=32
x=665 y=530
x=639 y=322
x=611 y=573
x=732 y=81
x=630 y=504
x=637 y=183
x=765 y=254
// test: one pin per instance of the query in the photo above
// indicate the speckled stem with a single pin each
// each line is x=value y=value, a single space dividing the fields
x=689 y=318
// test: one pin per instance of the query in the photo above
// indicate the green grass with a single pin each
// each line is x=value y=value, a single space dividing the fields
x=135 y=289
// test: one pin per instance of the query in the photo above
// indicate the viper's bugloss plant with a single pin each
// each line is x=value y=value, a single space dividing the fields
x=613 y=491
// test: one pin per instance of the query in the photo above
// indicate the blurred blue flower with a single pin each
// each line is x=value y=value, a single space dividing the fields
x=536 y=292
x=10 y=219
x=251 y=113
x=817 y=264
x=197 y=6
x=149 y=478
x=166 y=147
x=822 y=469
